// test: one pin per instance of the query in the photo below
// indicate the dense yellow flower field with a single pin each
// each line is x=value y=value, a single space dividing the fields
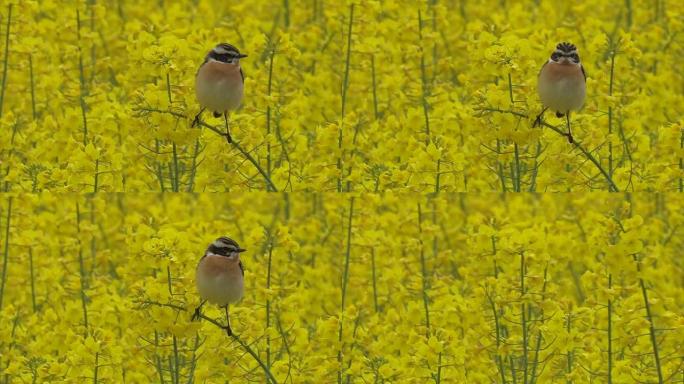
x=369 y=178
x=356 y=95
x=391 y=288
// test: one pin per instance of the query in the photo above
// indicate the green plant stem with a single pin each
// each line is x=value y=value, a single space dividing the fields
x=500 y=172
x=345 y=86
x=610 y=332
x=222 y=134
x=176 y=361
x=33 y=88
x=97 y=362
x=170 y=369
x=569 y=357
x=176 y=175
x=610 y=114
x=6 y=61
x=423 y=80
x=176 y=171
x=533 y=375
x=345 y=280
x=423 y=271
x=268 y=304
x=175 y=365
x=517 y=168
x=97 y=175
x=82 y=273
x=235 y=337
x=268 y=111
x=81 y=78
x=375 y=91
x=193 y=169
x=193 y=362
x=525 y=340
x=513 y=372
x=652 y=330
x=499 y=362
x=375 y=287
x=33 y=280
x=158 y=364
x=160 y=171
x=5 y=253
x=681 y=163
x=535 y=169
x=437 y=175
x=286 y=5
x=611 y=185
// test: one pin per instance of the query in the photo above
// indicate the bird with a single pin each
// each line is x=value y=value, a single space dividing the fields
x=220 y=276
x=219 y=83
x=562 y=83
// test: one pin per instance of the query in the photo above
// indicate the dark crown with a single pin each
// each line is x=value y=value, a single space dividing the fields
x=223 y=246
x=227 y=241
x=566 y=47
x=224 y=48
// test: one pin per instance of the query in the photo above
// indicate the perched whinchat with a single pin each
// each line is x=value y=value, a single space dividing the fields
x=220 y=276
x=562 y=83
x=219 y=83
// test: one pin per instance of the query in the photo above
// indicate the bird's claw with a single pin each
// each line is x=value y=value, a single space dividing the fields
x=195 y=122
x=537 y=121
x=196 y=315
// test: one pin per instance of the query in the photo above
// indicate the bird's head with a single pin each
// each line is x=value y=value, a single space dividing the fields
x=225 y=53
x=565 y=53
x=225 y=246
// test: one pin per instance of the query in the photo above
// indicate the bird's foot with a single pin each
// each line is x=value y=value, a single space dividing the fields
x=228 y=138
x=196 y=315
x=228 y=330
x=559 y=114
x=537 y=121
x=570 y=138
x=195 y=121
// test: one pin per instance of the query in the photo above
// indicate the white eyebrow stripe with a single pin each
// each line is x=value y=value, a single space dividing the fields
x=223 y=51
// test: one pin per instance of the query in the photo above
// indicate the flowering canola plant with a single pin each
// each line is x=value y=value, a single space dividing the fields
x=374 y=288
x=339 y=96
x=365 y=128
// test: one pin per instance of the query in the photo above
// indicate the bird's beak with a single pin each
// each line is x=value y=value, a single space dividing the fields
x=242 y=55
x=240 y=250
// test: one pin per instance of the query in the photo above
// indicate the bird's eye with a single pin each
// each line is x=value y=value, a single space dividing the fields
x=575 y=57
x=222 y=251
x=554 y=56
